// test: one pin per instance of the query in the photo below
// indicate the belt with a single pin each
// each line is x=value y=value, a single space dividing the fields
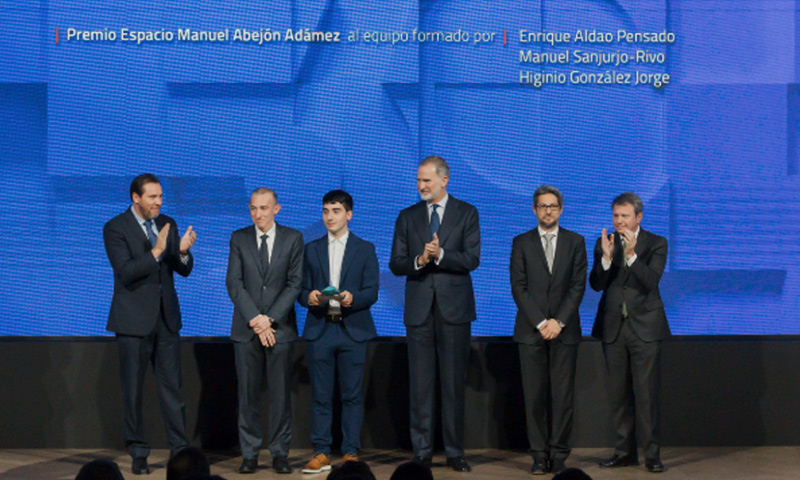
x=333 y=317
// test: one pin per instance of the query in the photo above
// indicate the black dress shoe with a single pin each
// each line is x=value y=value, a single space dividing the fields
x=458 y=464
x=557 y=466
x=281 y=465
x=427 y=461
x=139 y=466
x=539 y=466
x=249 y=465
x=619 y=461
x=654 y=466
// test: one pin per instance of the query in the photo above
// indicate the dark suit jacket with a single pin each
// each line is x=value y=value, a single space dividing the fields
x=460 y=237
x=360 y=276
x=273 y=294
x=637 y=285
x=540 y=295
x=141 y=282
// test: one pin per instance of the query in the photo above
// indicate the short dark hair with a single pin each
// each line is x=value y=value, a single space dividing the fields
x=100 y=469
x=263 y=190
x=548 y=189
x=629 y=198
x=138 y=183
x=187 y=460
x=339 y=196
x=442 y=168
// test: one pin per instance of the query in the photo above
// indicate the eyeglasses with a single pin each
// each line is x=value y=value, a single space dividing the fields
x=547 y=208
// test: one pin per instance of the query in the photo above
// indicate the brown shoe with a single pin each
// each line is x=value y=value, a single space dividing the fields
x=350 y=457
x=319 y=463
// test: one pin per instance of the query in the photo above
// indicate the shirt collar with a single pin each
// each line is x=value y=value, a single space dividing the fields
x=139 y=217
x=542 y=232
x=342 y=239
x=270 y=232
x=442 y=203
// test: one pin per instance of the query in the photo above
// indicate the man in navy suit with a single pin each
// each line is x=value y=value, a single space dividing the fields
x=144 y=250
x=337 y=331
x=437 y=243
x=265 y=270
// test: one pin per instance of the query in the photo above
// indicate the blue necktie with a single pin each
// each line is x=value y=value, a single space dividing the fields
x=150 y=234
x=434 y=221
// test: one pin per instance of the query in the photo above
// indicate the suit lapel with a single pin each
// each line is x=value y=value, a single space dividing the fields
x=421 y=223
x=136 y=229
x=451 y=218
x=641 y=242
x=536 y=239
x=350 y=252
x=251 y=245
x=324 y=259
x=562 y=245
x=277 y=249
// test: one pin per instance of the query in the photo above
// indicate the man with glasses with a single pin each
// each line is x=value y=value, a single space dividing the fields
x=548 y=280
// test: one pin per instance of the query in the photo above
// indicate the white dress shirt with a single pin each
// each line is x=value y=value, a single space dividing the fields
x=336 y=248
x=542 y=232
x=270 y=239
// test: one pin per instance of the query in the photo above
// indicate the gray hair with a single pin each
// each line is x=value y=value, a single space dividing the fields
x=442 y=169
x=263 y=190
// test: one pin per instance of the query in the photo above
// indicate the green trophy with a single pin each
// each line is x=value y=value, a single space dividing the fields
x=330 y=293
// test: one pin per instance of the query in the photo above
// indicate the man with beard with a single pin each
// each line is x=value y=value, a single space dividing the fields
x=144 y=250
x=548 y=280
x=437 y=243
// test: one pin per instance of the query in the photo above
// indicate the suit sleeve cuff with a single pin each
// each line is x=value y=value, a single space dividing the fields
x=606 y=263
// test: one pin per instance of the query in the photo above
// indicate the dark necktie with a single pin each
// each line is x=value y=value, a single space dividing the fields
x=150 y=234
x=264 y=252
x=435 y=222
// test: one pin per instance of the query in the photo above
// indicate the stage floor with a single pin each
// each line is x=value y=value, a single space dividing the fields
x=682 y=463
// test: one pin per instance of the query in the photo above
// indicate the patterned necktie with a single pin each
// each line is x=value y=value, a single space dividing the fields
x=435 y=222
x=150 y=234
x=549 y=251
x=264 y=252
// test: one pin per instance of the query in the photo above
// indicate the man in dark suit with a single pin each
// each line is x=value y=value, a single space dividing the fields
x=631 y=322
x=548 y=280
x=437 y=243
x=337 y=332
x=265 y=271
x=144 y=249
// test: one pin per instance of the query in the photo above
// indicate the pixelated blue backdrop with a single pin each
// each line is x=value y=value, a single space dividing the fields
x=714 y=155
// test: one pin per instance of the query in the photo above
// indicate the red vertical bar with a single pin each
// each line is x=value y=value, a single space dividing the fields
x=56 y=35
x=504 y=36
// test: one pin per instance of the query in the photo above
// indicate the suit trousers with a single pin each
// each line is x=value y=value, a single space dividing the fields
x=162 y=350
x=255 y=364
x=433 y=340
x=634 y=379
x=336 y=352
x=548 y=384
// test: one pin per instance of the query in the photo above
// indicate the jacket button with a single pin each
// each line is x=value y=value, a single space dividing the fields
x=263 y=287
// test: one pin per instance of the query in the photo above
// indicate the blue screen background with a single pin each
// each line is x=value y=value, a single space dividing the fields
x=714 y=155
